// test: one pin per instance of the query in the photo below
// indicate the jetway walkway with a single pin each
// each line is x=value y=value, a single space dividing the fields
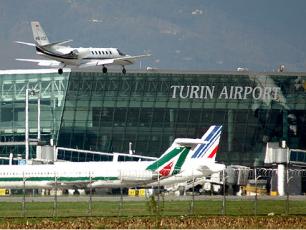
x=114 y=156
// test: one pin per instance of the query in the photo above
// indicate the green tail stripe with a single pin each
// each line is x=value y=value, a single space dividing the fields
x=155 y=165
x=180 y=161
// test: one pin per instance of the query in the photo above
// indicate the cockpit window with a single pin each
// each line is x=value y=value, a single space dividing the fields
x=120 y=53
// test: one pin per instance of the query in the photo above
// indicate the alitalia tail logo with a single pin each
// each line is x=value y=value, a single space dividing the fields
x=165 y=171
x=170 y=163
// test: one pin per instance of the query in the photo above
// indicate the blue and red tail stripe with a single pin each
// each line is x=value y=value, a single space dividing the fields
x=211 y=139
x=208 y=148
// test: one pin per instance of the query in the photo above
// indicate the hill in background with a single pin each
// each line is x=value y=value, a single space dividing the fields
x=191 y=35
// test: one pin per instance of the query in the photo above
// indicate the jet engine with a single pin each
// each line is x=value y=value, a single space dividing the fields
x=79 y=53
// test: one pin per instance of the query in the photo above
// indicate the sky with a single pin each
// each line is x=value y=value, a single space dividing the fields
x=184 y=35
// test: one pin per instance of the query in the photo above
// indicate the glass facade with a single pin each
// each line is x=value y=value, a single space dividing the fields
x=104 y=112
x=50 y=88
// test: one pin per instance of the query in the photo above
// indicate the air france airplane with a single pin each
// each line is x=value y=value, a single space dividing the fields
x=105 y=174
x=62 y=55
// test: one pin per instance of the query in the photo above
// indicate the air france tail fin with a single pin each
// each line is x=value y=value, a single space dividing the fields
x=39 y=34
x=209 y=149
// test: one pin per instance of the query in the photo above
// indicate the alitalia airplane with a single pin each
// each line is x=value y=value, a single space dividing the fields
x=185 y=157
x=99 y=174
x=177 y=157
x=62 y=56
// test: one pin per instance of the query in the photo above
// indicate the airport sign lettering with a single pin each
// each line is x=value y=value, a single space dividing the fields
x=226 y=92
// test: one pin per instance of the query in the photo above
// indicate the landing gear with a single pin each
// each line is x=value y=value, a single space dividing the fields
x=123 y=70
x=104 y=69
x=60 y=71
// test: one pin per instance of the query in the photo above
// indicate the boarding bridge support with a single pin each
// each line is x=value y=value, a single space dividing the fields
x=281 y=175
x=278 y=153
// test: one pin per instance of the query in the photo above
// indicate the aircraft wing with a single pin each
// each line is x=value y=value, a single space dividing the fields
x=49 y=63
x=126 y=60
x=97 y=63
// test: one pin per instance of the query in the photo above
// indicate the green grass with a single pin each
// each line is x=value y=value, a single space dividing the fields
x=149 y=208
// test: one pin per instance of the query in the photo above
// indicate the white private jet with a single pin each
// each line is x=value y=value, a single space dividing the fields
x=99 y=174
x=79 y=57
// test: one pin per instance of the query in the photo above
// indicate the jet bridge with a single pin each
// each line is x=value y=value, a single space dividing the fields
x=287 y=161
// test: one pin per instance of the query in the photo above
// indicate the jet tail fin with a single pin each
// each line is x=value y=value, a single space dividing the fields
x=39 y=34
x=170 y=163
x=209 y=149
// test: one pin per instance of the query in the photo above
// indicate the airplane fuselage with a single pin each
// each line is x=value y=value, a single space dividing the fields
x=78 y=56
x=76 y=175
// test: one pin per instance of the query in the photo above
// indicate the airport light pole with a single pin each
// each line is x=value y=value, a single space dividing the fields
x=27 y=126
x=31 y=92
x=38 y=116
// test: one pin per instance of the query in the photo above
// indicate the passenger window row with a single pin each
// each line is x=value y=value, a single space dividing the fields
x=101 y=52
x=33 y=173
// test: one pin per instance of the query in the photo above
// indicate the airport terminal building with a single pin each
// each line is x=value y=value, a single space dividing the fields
x=104 y=112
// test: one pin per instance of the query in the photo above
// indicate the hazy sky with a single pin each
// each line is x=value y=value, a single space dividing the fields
x=187 y=35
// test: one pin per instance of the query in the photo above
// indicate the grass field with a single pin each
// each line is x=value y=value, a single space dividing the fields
x=146 y=214
x=151 y=208
x=177 y=222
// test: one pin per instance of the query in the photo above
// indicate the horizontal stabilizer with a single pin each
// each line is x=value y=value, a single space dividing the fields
x=48 y=63
x=189 y=141
x=129 y=59
x=135 y=57
x=126 y=60
x=25 y=43
x=56 y=44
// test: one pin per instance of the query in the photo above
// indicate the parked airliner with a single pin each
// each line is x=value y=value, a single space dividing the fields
x=114 y=174
x=62 y=56
x=201 y=160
